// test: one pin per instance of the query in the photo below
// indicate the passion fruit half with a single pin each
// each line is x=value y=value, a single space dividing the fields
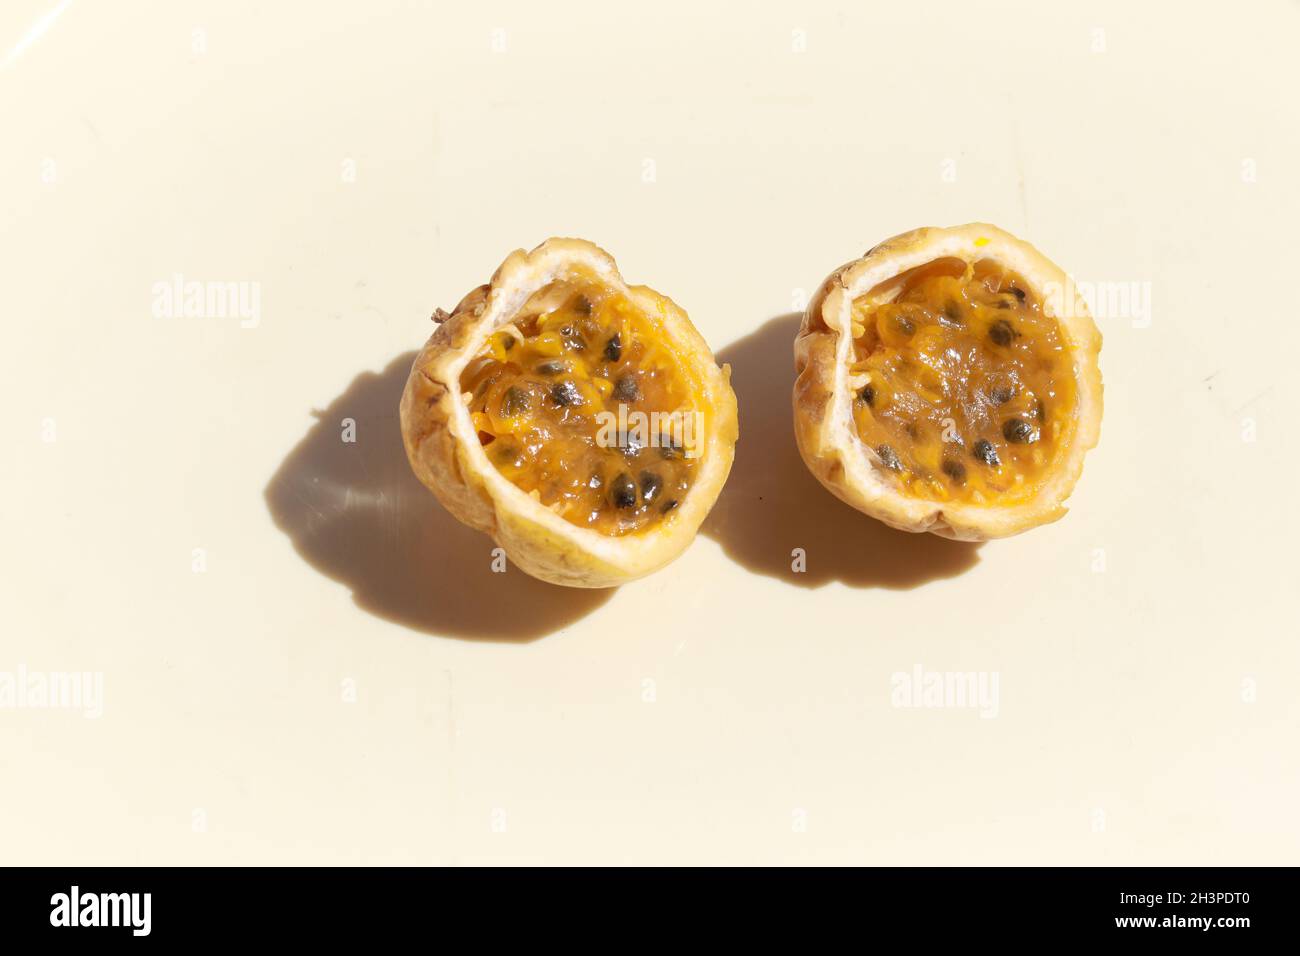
x=583 y=423
x=948 y=381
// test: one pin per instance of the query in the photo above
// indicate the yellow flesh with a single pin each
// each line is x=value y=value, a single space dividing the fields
x=962 y=386
x=536 y=398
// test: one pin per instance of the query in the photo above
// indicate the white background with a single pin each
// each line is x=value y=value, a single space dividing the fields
x=346 y=681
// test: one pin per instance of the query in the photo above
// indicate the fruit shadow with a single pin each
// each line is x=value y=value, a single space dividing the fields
x=356 y=513
x=772 y=504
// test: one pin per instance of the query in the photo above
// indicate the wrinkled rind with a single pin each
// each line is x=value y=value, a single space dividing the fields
x=537 y=540
x=830 y=446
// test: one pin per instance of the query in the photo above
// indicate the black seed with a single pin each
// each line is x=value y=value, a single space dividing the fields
x=868 y=395
x=626 y=389
x=572 y=339
x=952 y=314
x=514 y=402
x=1017 y=292
x=565 y=394
x=1002 y=332
x=623 y=492
x=954 y=470
x=582 y=305
x=669 y=505
x=889 y=458
x=1019 y=431
x=650 y=486
x=986 y=453
x=552 y=368
x=614 y=348
x=510 y=342
x=1000 y=396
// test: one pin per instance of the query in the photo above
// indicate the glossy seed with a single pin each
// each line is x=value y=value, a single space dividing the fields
x=565 y=394
x=626 y=389
x=905 y=325
x=650 y=486
x=514 y=402
x=669 y=505
x=985 y=452
x=1000 y=396
x=582 y=305
x=552 y=368
x=1019 y=431
x=952 y=314
x=623 y=492
x=572 y=339
x=954 y=470
x=1017 y=292
x=868 y=395
x=614 y=348
x=1002 y=332
x=889 y=458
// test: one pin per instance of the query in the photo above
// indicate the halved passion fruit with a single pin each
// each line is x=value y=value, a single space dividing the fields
x=948 y=382
x=581 y=422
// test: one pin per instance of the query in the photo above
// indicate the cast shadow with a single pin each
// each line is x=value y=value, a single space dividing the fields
x=356 y=513
x=772 y=504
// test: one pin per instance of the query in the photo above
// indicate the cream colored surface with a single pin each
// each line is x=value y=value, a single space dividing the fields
x=363 y=163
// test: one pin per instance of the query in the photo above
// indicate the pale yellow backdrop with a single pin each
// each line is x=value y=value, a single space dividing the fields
x=304 y=660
